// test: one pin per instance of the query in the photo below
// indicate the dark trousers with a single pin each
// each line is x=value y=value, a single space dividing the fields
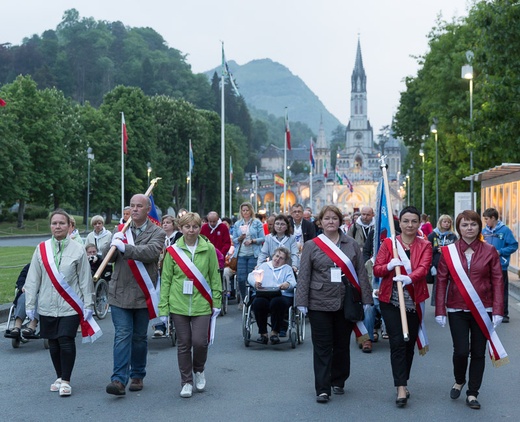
x=468 y=339
x=63 y=356
x=505 y=276
x=331 y=353
x=276 y=306
x=401 y=352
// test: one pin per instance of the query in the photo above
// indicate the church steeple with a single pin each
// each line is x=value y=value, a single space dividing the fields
x=359 y=77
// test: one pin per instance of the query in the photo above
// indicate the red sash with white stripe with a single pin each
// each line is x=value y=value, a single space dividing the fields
x=191 y=272
x=422 y=337
x=90 y=330
x=474 y=303
x=347 y=267
x=143 y=280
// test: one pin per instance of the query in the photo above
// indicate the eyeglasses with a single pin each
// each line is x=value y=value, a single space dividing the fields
x=280 y=224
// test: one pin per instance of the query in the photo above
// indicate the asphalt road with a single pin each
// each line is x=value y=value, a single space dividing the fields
x=253 y=384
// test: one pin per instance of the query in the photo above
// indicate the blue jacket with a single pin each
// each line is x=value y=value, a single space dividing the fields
x=501 y=237
x=256 y=232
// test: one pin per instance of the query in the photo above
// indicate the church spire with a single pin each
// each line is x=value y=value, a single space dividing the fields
x=359 y=78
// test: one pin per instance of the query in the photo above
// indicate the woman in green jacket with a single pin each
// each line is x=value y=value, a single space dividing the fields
x=191 y=291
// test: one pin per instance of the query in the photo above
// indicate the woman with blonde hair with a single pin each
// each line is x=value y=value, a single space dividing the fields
x=248 y=238
x=441 y=236
x=100 y=236
x=191 y=292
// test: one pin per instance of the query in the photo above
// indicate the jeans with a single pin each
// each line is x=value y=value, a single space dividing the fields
x=192 y=334
x=401 y=352
x=505 y=276
x=19 y=311
x=245 y=265
x=130 y=343
x=331 y=353
x=462 y=325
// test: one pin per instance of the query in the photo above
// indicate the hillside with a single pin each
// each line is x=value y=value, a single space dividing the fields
x=269 y=86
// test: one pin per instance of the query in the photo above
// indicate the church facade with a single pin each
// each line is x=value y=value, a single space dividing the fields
x=353 y=183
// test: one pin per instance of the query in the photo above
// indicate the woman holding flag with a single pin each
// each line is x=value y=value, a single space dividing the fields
x=470 y=290
x=60 y=277
x=327 y=263
x=415 y=257
x=191 y=291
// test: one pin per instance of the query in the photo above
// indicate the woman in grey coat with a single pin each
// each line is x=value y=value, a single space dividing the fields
x=320 y=293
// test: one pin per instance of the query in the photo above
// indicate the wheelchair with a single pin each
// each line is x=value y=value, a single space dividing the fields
x=19 y=338
x=170 y=333
x=294 y=319
x=101 y=293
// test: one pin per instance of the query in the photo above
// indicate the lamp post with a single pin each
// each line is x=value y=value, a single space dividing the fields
x=467 y=73
x=149 y=171
x=90 y=157
x=421 y=153
x=433 y=130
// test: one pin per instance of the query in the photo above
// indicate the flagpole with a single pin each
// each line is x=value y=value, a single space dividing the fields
x=230 y=184
x=400 y=292
x=189 y=178
x=122 y=163
x=222 y=141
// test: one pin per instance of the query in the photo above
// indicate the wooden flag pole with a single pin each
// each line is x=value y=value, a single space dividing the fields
x=400 y=291
x=112 y=250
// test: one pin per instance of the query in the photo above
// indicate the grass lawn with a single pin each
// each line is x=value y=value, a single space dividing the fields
x=12 y=260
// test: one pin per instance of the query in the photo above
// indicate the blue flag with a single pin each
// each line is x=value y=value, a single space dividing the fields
x=153 y=216
x=383 y=217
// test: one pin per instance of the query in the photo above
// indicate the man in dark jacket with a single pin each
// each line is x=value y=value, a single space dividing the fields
x=303 y=229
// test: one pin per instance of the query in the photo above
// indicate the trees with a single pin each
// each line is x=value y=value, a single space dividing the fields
x=491 y=31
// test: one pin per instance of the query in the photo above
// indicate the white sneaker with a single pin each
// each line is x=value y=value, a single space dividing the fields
x=200 y=381
x=187 y=390
x=158 y=333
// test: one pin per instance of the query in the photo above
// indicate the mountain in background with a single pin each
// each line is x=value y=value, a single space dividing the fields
x=268 y=86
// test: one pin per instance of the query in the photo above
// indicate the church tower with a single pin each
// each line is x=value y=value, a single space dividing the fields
x=321 y=152
x=359 y=134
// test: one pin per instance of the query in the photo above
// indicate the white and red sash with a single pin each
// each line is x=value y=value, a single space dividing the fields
x=90 y=330
x=143 y=280
x=496 y=350
x=191 y=272
x=347 y=267
x=422 y=337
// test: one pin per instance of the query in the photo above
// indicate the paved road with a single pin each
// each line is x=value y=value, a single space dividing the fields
x=22 y=240
x=253 y=384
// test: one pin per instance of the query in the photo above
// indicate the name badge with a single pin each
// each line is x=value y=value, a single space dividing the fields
x=188 y=287
x=335 y=275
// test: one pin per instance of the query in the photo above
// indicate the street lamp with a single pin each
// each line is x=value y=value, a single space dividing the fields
x=90 y=157
x=421 y=153
x=433 y=129
x=467 y=73
x=149 y=171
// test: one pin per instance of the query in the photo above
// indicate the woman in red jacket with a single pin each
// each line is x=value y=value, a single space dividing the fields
x=469 y=266
x=415 y=257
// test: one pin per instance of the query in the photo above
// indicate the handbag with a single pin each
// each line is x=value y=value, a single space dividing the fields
x=233 y=262
x=352 y=305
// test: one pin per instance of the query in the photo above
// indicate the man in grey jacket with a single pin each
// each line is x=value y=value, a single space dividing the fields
x=127 y=299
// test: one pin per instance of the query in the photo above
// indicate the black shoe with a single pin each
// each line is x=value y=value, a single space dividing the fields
x=338 y=390
x=473 y=404
x=116 y=388
x=455 y=392
x=407 y=394
x=274 y=339
x=283 y=333
x=322 y=398
x=506 y=319
x=262 y=339
x=401 y=402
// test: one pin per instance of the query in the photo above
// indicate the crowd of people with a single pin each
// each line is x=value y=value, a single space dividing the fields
x=177 y=273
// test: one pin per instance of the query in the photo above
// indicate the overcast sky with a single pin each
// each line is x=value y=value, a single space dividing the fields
x=315 y=39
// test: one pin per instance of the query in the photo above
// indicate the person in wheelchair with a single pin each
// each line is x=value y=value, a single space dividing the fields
x=19 y=313
x=273 y=284
x=94 y=258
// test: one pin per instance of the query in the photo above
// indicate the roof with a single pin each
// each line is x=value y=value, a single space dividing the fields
x=503 y=169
